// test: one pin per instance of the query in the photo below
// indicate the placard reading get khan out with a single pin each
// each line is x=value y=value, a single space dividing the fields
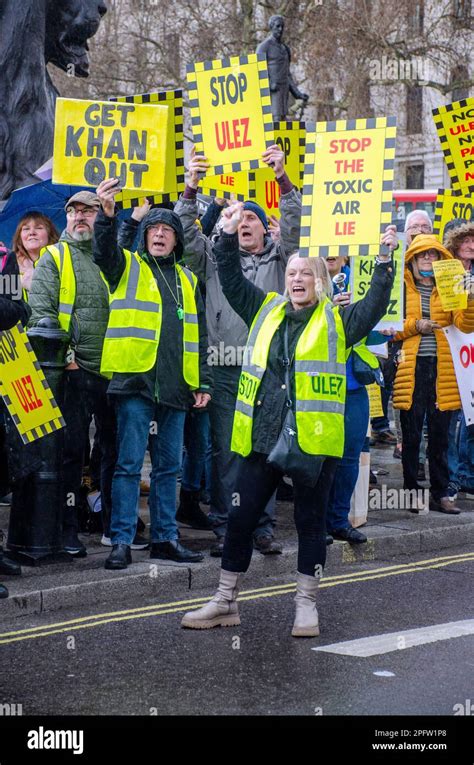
x=231 y=112
x=95 y=140
x=347 y=187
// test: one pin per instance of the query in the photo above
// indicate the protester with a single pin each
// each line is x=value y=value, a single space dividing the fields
x=67 y=288
x=34 y=231
x=459 y=240
x=425 y=382
x=12 y=310
x=155 y=310
x=263 y=262
x=316 y=334
x=362 y=368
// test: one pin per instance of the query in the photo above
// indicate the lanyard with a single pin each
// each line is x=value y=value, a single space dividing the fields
x=179 y=307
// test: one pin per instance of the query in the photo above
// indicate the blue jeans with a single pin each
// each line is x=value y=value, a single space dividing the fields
x=454 y=446
x=134 y=415
x=356 y=420
x=197 y=450
x=460 y=457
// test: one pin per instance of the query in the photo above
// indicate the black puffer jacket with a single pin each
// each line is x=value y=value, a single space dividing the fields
x=163 y=383
x=246 y=299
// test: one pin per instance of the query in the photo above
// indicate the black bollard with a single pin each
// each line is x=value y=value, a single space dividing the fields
x=35 y=528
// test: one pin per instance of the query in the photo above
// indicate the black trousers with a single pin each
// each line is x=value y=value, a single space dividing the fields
x=424 y=403
x=255 y=484
x=85 y=395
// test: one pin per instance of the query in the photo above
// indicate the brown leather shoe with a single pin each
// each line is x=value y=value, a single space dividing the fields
x=444 y=505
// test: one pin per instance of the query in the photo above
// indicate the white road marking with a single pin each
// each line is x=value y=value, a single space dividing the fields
x=397 y=641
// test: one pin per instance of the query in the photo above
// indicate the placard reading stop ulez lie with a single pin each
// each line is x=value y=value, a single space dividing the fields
x=95 y=140
x=231 y=112
x=347 y=187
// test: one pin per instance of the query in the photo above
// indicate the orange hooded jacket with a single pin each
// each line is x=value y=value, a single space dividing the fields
x=447 y=392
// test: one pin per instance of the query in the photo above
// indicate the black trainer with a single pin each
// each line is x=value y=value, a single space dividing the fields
x=119 y=558
x=9 y=567
x=173 y=550
x=73 y=545
x=3 y=591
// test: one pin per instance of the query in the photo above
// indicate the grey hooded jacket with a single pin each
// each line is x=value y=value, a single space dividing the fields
x=227 y=332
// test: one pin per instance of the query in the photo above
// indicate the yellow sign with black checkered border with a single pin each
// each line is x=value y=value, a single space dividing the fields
x=24 y=388
x=347 y=186
x=291 y=138
x=450 y=205
x=455 y=127
x=231 y=114
x=174 y=183
x=228 y=185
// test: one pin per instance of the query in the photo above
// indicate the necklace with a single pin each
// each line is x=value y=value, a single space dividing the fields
x=179 y=307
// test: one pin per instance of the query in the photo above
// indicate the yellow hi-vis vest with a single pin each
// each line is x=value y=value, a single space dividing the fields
x=133 y=332
x=363 y=352
x=320 y=378
x=61 y=255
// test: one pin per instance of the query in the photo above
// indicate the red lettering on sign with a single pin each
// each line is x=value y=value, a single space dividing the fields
x=466 y=355
x=349 y=144
x=272 y=194
x=345 y=228
x=461 y=128
x=25 y=391
x=349 y=165
x=231 y=138
x=227 y=180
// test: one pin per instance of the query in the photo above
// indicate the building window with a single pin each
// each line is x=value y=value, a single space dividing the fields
x=326 y=104
x=416 y=15
x=415 y=176
x=462 y=12
x=459 y=80
x=414 y=109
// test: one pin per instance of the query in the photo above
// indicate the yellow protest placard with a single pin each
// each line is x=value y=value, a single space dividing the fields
x=227 y=185
x=347 y=186
x=375 y=400
x=290 y=137
x=451 y=205
x=174 y=173
x=95 y=140
x=231 y=111
x=449 y=276
x=24 y=388
x=455 y=127
x=362 y=269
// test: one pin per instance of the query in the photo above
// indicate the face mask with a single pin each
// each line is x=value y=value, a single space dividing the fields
x=425 y=273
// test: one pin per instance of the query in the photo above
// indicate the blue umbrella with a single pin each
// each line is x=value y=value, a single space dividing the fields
x=45 y=197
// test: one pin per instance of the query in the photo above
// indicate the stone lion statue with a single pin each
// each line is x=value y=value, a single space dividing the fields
x=35 y=33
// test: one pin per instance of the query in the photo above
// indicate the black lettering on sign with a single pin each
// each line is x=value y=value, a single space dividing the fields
x=72 y=141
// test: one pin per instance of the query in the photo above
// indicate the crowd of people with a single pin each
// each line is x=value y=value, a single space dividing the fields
x=210 y=342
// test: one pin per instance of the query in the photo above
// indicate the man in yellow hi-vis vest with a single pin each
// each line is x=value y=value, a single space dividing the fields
x=292 y=386
x=155 y=350
x=68 y=289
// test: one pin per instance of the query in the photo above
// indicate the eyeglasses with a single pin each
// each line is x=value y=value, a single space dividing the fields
x=420 y=229
x=431 y=254
x=87 y=212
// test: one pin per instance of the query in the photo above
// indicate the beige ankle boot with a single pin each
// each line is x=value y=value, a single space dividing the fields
x=306 y=620
x=222 y=609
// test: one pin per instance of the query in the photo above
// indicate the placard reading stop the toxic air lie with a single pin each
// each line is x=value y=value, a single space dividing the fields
x=451 y=205
x=455 y=127
x=95 y=140
x=174 y=174
x=347 y=186
x=24 y=388
x=231 y=113
x=290 y=137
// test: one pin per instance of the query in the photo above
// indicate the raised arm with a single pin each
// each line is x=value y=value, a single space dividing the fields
x=107 y=253
x=290 y=203
x=243 y=296
x=197 y=247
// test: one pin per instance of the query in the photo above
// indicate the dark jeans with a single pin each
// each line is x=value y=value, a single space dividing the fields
x=225 y=464
x=197 y=453
x=85 y=394
x=424 y=403
x=356 y=420
x=256 y=483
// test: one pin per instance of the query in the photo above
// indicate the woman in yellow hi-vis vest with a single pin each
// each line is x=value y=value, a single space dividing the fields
x=306 y=335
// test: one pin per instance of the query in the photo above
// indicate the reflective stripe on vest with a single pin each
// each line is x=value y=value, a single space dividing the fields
x=133 y=332
x=320 y=378
x=365 y=354
x=61 y=255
